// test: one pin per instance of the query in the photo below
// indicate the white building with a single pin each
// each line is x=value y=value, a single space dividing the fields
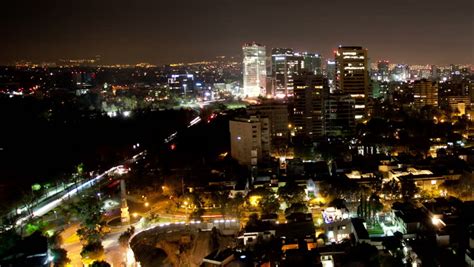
x=249 y=140
x=254 y=70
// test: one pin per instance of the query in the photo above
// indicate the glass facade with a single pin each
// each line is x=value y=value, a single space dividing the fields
x=255 y=70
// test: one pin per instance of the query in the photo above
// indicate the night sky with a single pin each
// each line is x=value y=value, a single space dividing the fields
x=158 y=31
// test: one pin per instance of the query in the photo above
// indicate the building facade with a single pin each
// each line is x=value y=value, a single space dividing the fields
x=312 y=63
x=250 y=140
x=352 y=76
x=254 y=70
x=425 y=93
x=310 y=91
x=339 y=119
x=285 y=65
x=277 y=113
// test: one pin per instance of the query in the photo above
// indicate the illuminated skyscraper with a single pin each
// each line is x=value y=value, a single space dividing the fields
x=331 y=74
x=352 y=76
x=285 y=65
x=254 y=70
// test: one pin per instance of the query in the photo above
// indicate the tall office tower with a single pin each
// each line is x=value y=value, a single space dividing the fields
x=312 y=63
x=425 y=93
x=254 y=70
x=383 y=70
x=352 y=76
x=249 y=140
x=331 y=74
x=277 y=113
x=308 y=107
x=339 y=115
x=285 y=65
x=280 y=70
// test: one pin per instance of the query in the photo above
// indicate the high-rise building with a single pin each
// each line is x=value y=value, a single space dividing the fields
x=280 y=69
x=352 y=76
x=254 y=70
x=309 y=93
x=249 y=140
x=312 y=63
x=425 y=93
x=331 y=74
x=383 y=70
x=339 y=119
x=285 y=65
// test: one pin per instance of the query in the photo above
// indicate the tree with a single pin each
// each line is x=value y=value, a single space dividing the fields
x=264 y=199
x=408 y=189
x=8 y=239
x=55 y=240
x=341 y=188
x=364 y=254
x=124 y=238
x=391 y=189
x=296 y=208
x=338 y=203
x=368 y=209
x=462 y=188
x=291 y=193
x=100 y=264
x=60 y=258
x=221 y=200
x=269 y=204
x=323 y=237
x=80 y=169
x=89 y=213
x=377 y=205
x=92 y=252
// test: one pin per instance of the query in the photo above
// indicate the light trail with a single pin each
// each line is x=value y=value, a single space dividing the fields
x=40 y=211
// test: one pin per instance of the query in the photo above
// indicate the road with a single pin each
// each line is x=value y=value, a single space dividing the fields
x=113 y=253
x=52 y=203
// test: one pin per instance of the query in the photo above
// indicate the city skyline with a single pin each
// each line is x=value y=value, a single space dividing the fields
x=158 y=32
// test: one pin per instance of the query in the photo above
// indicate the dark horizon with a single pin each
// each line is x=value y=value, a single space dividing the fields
x=162 y=32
